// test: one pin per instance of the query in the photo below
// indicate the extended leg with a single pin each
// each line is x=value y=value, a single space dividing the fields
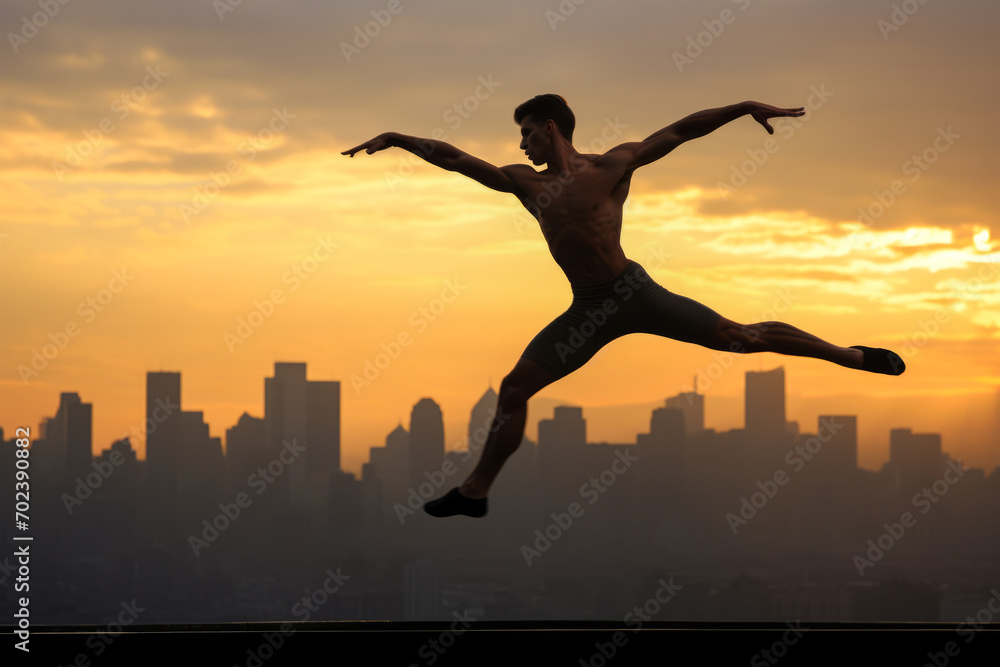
x=786 y=339
x=505 y=436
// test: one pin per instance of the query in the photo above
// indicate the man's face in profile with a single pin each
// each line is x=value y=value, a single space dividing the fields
x=534 y=141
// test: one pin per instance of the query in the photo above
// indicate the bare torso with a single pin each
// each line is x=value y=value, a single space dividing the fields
x=580 y=214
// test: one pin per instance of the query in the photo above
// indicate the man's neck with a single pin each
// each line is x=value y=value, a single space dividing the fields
x=566 y=159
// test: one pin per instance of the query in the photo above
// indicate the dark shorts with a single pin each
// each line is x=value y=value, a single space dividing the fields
x=631 y=302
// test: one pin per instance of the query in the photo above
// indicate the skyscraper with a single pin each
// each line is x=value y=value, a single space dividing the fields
x=163 y=406
x=76 y=421
x=199 y=469
x=481 y=420
x=693 y=405
x=662 y=450
x=567 y=428
x=323 y=425
x=560 y=447
x=305 y=410
x=914 y=458
x=162 y=427
x=426 y=440
x=667 y=427
x=764 y=414
x=306 y=414
x=285 y=406
x=62 y=449
x=246 y=446
x=391 y=469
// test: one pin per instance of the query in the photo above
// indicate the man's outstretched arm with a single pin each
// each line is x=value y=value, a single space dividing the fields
x=441 y=155
x=699 y=124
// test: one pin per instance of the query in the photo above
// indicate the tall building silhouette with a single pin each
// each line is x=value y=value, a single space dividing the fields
x=184 y=463
x=60 y=455
x=426 y=441
x=667 y=428
x=307 y=414
x=162 y=428
x=692 y=404
x=481 y=419
x=566 y=429
x=199 y=479
x=323 y=425
x=560 y=447
x=246 y=449
x=77 y=433
x=163 y=405
x=915 y=459
x=662 y=450
x=125 y=481
x=66 y=439
x=390 y=466
x=764 y=402
x=285 y=421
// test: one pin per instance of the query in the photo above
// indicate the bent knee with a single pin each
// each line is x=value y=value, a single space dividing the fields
x=525 y=380
x=513 y=394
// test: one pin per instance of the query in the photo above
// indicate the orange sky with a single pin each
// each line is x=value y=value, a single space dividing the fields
x=197 y=158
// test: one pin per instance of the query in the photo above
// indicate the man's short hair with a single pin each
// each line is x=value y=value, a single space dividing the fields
x=541 y=108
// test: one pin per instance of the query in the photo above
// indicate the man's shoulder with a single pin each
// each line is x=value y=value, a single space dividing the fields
x=519 y=173
x=518 y=170
x=623 y=151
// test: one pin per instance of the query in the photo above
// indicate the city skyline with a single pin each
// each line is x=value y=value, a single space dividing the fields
x=764 y=397
x=759 y=522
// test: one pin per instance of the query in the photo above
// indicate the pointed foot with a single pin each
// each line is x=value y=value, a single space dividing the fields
x=882 y=361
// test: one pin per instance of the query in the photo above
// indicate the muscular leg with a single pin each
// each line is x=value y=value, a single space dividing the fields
x=506 y=433
x=781 y=338
x=653 y=309
x=505 y=436
x=658 y=311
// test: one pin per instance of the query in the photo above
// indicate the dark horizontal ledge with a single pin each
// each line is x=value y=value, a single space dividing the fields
x=493 y=626
x=572 y=643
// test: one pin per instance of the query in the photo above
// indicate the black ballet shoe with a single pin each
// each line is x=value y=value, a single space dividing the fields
x=453 y=503
x=882 y=361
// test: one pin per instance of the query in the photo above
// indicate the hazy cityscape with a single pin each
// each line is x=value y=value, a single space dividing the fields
x=774 y=521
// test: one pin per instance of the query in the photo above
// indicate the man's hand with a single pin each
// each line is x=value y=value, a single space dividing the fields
x=381 y=142
x=696 y=125
x=764 y=112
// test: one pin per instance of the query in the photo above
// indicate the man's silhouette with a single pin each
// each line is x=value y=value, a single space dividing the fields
x=577 y=200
